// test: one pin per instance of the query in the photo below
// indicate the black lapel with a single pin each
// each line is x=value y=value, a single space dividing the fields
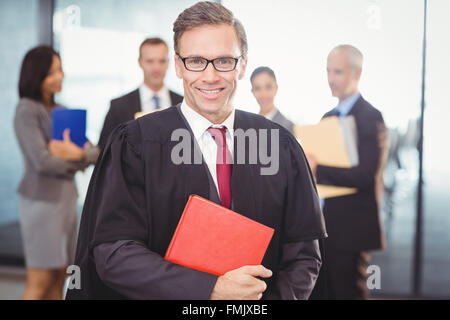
x=356 y=107
x=276 y=118
x=175 y=98
x=134 y=103
x=354 y=110
x=243 y=188
x=196 y=175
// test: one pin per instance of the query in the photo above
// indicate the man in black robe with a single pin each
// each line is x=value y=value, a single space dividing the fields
x=139 y=188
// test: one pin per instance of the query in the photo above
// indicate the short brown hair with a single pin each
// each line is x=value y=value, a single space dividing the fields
x=207 y=12
x=153 y=42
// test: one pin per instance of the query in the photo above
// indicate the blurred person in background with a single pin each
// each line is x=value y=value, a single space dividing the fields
x=353 y=221
x=48 y=194
x=150 y=96
x=264 y=88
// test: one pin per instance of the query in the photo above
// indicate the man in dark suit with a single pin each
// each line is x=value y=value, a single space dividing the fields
x=139 y=188
x=151 y=95
x=353 y=221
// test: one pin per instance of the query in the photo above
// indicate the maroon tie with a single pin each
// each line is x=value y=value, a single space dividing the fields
x=223 y=166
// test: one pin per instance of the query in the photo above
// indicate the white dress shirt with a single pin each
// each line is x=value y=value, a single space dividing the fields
x=199 y=126
x=147 y=102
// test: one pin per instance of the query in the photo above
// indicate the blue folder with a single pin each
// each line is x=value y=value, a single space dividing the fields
x=75 y=120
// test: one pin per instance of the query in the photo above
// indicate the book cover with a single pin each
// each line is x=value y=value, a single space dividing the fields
x=214 y=239
x=73 y=119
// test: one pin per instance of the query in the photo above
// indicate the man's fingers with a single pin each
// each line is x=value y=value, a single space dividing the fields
x=242 y=283
x=258 y=289
x=262 y=286
x=257 y=271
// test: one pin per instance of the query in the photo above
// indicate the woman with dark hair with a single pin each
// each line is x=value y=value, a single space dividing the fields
x=264 y=88
x=48 y=195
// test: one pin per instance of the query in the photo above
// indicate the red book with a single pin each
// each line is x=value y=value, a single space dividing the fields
x=214 y=239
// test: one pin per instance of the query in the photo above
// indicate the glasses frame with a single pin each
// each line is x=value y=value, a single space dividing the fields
x=236 y=60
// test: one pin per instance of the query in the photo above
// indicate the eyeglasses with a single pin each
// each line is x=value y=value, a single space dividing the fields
x=198 y=64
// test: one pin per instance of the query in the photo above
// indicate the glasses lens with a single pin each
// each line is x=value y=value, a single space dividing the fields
x=224 y=64
x=195 y=63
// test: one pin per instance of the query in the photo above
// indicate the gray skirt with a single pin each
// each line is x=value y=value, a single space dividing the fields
x=49 y=229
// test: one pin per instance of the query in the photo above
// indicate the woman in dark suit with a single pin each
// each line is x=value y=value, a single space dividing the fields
x=264 y=88
x=48 y=195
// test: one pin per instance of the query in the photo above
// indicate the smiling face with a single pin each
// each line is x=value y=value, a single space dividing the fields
x=264 y=88
x=210 y=92
x=52 y=83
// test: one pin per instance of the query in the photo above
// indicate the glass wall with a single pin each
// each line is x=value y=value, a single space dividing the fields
x=17 y=38
x=294 y=38
x=436 y=230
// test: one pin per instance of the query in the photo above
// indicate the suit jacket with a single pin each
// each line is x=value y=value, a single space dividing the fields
x=353 y=222
x=122 y=109
x=43 y=171
x=283 y=121
x=137 y=194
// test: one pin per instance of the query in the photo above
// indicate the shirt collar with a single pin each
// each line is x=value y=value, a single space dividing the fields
x=346 y=106
x=199 y=124
x=147 y=93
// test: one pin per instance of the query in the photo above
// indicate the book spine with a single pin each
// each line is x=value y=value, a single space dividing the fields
x=175 y=234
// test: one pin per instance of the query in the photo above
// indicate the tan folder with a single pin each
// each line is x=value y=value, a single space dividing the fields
x=326 y=191
x=333 y=141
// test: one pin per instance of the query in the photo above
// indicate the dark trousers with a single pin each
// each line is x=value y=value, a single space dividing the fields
x=346 y=274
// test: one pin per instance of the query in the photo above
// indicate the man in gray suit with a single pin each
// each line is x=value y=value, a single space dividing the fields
x=151 y=95
x=264 y=88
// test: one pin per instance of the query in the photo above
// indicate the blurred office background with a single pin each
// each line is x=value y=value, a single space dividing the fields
x=98 y=42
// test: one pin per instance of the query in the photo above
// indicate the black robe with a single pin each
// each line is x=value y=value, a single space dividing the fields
x=137 y=195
